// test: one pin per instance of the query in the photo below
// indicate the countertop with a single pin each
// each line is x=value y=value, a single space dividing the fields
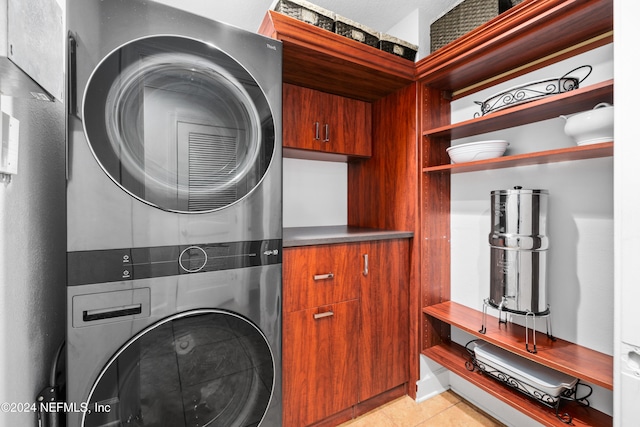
x=322 y=235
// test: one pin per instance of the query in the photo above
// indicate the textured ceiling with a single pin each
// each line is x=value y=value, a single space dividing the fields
x=380 y=15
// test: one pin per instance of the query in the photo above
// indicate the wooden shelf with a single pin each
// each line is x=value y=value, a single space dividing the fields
x=589 y=365
x=579 y=152
x=524 y=35
x=453 y=357
x=574 y=101
x=322 y=60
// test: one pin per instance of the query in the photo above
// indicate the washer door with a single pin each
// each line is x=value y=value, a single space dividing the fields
x=178 y=124
x=198 y=368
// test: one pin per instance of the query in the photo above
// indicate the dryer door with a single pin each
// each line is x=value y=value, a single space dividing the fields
x=178 y=124
x=205 y=367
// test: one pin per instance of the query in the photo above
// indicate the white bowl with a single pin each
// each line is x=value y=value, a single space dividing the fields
x=480 y=150
x=592 y=126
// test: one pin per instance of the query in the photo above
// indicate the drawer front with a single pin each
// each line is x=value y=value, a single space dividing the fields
x=320 y=275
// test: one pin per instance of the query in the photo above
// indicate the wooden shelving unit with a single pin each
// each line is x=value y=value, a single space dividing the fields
x=530 y=36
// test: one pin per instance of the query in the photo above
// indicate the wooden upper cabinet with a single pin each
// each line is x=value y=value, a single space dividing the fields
x=323 y=60
x=321 y=122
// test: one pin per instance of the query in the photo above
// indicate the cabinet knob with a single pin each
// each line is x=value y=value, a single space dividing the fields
x=326 y=133
x=317 y=137
x=323 y=276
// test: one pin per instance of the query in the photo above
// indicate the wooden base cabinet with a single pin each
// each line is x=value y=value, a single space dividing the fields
x=319 y=122
x=345 y=327
x=320 y=362
x=384 y=319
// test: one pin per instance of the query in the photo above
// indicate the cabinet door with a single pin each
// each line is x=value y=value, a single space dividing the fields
x=348 y=127
x=302 y=117
x=320 y=362
x=384 y=318
x=318 y=121
x=319 y=275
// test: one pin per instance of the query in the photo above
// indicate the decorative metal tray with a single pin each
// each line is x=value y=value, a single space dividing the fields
x=534 y=90
x=538 y=391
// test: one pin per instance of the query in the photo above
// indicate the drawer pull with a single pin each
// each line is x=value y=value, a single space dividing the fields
x=323 y=276
x=365 y=272
x=326 y=133
x=317 y=137
x=109 y=313
x=322 y=315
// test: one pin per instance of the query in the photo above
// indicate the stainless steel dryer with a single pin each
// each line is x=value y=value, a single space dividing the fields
x=174 y=211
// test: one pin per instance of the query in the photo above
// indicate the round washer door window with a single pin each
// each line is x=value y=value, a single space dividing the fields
x=200 y=368
x=178 y=124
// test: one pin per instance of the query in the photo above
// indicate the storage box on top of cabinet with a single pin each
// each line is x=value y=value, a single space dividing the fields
x=398 y=47
x=356 y=31
x=465 y=17
x=307 y=12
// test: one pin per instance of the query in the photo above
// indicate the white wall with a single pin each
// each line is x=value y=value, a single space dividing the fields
x=627 y=212
x=314 y=193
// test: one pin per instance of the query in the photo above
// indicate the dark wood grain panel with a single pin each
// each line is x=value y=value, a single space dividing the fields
x=453 y=357
x=579 y=152
x=349 y=126
x=383 y=192
x=379 y=400
x=383 y=189
x=523 y=34
x=566 y=103
x=300 y=265
x=564 y=356
x=435 y=205
x=384 y=324
x=319 y=59
x=319 y=361
x=319 y=122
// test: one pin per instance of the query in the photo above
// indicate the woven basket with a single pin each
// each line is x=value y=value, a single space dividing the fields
x=307 y=12
x=398 y=47
x=355 y=31
x=465 y=17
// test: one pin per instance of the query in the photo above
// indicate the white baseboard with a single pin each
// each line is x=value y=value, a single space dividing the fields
x=434 y=379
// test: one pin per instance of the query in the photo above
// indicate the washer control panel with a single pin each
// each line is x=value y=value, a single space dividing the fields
x=111 y=265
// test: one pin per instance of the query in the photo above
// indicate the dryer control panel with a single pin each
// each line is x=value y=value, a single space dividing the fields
x=113 y=265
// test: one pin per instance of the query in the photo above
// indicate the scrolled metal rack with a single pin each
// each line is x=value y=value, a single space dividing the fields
x=532 y=91
x=529 y=390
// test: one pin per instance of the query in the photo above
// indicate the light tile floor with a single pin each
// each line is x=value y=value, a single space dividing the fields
x=444 y=410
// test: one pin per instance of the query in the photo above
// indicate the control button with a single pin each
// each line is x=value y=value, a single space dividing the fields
x=193 y=259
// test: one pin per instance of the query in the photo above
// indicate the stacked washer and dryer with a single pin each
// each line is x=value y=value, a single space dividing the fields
x=174 y=223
